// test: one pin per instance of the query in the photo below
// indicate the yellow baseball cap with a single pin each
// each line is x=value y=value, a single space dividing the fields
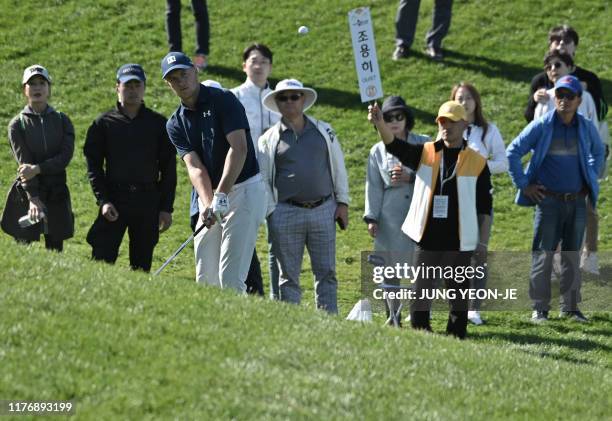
x=451 y=110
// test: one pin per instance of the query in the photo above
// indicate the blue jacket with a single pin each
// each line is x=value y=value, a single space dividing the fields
x=536 y=138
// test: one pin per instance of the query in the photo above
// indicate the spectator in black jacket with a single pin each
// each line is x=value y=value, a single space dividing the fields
x=564 y=38
x=131 y=165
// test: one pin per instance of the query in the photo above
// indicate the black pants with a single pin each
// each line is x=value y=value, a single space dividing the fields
x=254 y=280
x=139 y=215
x=419 y=308
x=173 y=25
x=50 y=243
x=406 y=22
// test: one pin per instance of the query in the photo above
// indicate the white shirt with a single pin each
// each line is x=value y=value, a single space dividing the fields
x=491 y=147
x=260 y=118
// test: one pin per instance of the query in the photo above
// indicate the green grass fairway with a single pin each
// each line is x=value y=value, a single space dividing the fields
x=125 y=346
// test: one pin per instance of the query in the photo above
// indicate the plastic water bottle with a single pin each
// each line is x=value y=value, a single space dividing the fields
x=25 y=220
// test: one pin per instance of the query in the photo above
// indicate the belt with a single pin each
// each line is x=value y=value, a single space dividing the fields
x=308 y=205
x=567 y=197
x=133 y=187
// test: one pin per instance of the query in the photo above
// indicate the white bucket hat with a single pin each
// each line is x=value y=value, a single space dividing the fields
x=310 y=95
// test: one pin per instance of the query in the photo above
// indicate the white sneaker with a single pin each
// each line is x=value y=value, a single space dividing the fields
x=590 y=263
x=474 y=317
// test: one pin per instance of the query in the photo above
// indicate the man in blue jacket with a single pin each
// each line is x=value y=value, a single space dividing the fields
x=567 y=154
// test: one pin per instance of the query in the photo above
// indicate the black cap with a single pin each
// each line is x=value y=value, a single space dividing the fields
x=129 y=72
x=393 y=103
x=174 y=60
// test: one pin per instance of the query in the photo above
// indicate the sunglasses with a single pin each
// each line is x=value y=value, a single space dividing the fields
x=565 y=95
x=555 y=65
x=390 y=117
x=559 y=38
x=292 y=97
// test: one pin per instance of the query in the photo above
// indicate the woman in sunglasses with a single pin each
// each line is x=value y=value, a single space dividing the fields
x=485 y=138
x=389 y=184
x=42 y=140
x=558 y=64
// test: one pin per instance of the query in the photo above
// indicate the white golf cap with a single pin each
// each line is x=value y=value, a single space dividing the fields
x=310 y=95
x=34 y=70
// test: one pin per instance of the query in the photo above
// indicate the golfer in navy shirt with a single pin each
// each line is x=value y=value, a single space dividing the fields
x=211 y=133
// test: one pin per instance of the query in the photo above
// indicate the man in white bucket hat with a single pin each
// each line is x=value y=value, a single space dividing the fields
x=303 y=168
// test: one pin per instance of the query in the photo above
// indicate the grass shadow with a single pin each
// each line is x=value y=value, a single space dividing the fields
x=490 y=67
x=495 y=68
x=553 y=356
x=534 y=339
x=522 y=340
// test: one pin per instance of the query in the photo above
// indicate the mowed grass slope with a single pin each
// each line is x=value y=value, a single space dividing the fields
x=122 y=344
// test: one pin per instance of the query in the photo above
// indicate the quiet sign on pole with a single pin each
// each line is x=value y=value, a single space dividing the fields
x=364 y=50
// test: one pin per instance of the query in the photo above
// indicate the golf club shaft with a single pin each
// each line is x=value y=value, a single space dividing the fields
x=191 y=237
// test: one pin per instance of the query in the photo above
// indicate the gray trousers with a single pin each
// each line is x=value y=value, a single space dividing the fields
x=292 y=228
x=406 y=22
x=557 y=222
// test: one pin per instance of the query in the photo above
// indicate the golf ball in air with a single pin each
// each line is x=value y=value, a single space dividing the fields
x=303 y=30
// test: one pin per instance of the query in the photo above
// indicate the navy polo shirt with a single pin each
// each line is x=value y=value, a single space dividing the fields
x=204 y=130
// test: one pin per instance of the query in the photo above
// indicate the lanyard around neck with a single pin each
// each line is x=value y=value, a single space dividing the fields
x=450 y=177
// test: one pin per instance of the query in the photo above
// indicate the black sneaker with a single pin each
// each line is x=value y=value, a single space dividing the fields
x=575 y=315
x=539 y=316
x=434 y=53
x=400 y=52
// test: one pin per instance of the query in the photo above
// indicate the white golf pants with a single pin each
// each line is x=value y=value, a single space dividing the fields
x=223 y=252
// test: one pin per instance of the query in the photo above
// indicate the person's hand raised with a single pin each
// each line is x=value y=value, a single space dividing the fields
x=375 y=116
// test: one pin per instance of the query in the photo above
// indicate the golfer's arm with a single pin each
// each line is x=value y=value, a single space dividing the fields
x=199 y=177
x=234 y=161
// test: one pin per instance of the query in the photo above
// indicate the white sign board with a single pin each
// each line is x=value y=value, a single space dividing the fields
x=364 y=50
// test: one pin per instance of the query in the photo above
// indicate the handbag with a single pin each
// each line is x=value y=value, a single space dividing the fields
x=16 y=206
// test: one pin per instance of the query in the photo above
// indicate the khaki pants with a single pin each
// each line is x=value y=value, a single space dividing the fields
x=223 y=252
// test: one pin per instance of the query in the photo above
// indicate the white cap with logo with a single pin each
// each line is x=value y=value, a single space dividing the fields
x=35 y=70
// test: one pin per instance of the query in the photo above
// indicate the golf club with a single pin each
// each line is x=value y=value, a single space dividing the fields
x=182 y=246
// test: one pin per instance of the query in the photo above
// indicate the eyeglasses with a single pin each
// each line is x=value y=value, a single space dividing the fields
x=565 y=95
x=390 y=117
x=555 y=65
x=292 y=97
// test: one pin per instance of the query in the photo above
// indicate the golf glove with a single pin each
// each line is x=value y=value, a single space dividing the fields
x=220 y=205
